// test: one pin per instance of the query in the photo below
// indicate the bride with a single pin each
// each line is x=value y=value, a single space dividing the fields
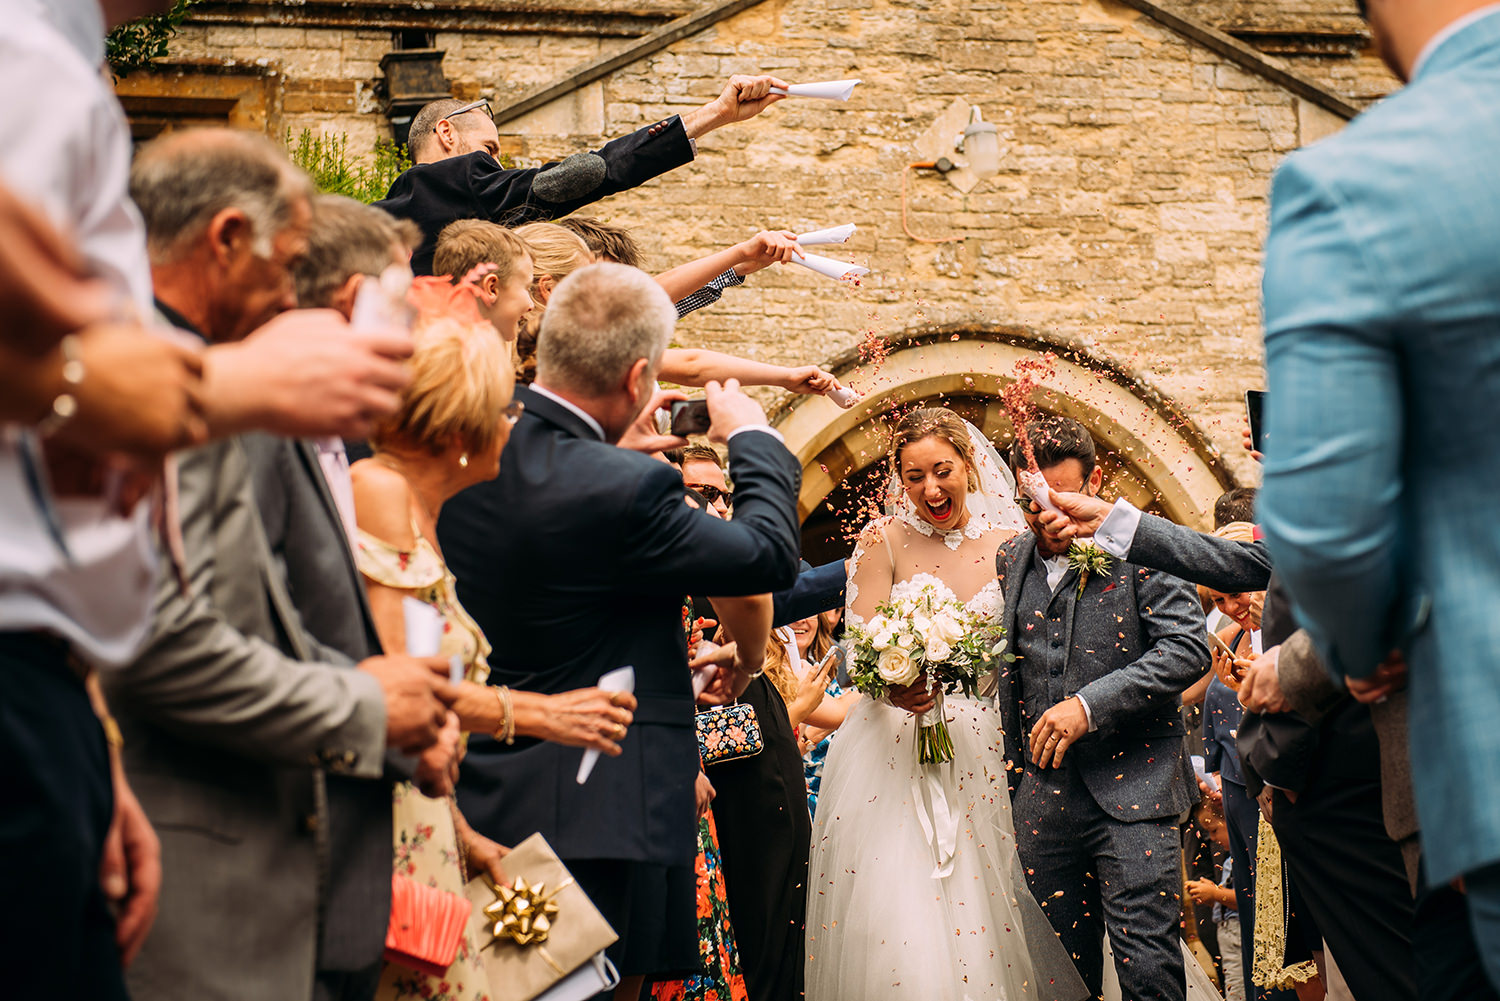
x=915 y=890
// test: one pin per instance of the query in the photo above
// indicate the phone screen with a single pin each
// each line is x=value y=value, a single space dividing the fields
x=690 y=417
x=1254 y=406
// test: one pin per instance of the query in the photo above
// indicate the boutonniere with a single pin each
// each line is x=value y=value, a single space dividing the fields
x=1087 y=558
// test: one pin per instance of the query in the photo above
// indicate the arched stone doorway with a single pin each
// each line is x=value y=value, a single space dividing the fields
x=1150 y=451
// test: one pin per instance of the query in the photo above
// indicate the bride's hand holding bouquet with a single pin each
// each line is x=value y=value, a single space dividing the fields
x=923 y=634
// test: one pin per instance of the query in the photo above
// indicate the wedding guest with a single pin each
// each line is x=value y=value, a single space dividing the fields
x=1096 y=829
x=555 y=253
x=456 y=146
x=234 y=710
x=1224 y=898
x=606 y=547
x=78 y=578
x=765 y=830
x=1222 y=713
x=1381 y=297
x=700 y=283
x=504 y=289
x=1234 y=505
x=444 y=437
x=814 y=639
x=703 y=473
x=605 y=241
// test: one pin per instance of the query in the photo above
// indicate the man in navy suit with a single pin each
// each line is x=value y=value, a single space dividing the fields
x=575 y=561
x=1382 y=303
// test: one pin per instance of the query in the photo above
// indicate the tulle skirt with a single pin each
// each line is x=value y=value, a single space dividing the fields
x=915 y=889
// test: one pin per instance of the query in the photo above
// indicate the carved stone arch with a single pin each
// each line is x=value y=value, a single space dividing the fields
x=1151 y=452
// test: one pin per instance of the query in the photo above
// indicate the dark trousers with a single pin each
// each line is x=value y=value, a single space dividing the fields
x=1449 y=967
x=1348 y=871
x=1092 y=873
x=338 y=985
x=1483 y=899
x=57 y=936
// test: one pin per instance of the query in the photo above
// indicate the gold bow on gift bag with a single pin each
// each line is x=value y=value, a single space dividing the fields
x=532 y=936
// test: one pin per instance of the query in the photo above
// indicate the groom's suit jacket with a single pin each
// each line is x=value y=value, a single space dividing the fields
x=231 y=725
x=1129 y=647
x=575 y=562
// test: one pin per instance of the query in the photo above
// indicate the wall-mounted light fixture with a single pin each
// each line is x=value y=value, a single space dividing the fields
x=980 y=143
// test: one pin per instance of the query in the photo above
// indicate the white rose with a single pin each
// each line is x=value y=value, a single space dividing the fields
x=938 y=651
x=882 y=632
x=921 y=624
x=896 y=666
x=946 y=627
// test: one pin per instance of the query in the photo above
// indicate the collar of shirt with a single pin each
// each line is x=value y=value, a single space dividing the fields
x=177 y=320
x=594 y=425
x=1448 y=32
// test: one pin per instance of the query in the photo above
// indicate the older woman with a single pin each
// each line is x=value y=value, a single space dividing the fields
x=447 y=434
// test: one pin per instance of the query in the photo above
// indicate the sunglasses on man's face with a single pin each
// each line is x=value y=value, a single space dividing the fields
x=712 y=493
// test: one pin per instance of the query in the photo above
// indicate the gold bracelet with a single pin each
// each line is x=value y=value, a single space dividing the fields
x=112 y=735
x=507 y=729
x=65 y=405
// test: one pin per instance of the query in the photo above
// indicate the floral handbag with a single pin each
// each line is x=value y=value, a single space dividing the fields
x=728 y=733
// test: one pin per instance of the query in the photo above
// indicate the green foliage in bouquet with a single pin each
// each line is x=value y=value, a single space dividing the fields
x=327 y=161
x=137 y=43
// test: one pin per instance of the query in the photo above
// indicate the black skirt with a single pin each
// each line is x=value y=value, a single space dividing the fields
x=764 y=836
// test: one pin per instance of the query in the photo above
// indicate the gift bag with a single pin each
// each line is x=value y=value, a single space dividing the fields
x=426 y=926
x=539 y=930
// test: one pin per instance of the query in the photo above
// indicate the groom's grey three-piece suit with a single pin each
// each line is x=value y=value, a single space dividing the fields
x=1098 y=836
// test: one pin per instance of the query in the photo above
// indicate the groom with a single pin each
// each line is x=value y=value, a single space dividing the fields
x=1093 y=734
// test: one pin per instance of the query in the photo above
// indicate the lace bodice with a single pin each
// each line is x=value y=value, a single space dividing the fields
x=894 y=554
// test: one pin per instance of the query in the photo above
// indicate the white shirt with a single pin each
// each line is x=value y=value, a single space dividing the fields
x=67 y=153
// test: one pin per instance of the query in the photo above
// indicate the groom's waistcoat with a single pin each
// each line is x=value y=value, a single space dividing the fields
x=1128 y=646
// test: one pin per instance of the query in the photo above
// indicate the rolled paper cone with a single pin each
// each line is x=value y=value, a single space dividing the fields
x=381 y=304
x=829 y=267
x=843 y=396
x=455 y=669
x=621 y=679
x=835 y=234
x=829 y=90
x=424 y=628
x=1036 y=488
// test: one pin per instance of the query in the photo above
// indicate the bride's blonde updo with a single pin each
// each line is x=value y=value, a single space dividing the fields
x=935 y=422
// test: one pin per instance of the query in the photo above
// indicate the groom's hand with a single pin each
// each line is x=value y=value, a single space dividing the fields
x=1056 y=731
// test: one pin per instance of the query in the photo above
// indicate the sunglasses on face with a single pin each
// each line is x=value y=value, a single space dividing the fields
x=712 y=493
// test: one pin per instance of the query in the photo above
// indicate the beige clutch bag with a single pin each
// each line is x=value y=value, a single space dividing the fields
x=538 y=930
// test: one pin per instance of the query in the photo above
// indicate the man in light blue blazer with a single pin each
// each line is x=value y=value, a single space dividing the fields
x=1382 y=312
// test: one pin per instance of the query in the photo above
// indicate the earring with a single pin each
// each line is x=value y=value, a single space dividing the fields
x=463 y=460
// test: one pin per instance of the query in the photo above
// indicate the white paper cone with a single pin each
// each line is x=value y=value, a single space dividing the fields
x=835 y=234
x=843 y=396
x=424 y=628
x=1035 y=486
x=380 y=304
x=830 y=268
x=621 y=679
x=830 y=90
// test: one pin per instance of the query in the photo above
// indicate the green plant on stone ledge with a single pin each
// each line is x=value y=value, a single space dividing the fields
x=327 y=161
x=136 y=43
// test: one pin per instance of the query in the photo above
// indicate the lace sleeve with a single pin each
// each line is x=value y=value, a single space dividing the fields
x=870 y=583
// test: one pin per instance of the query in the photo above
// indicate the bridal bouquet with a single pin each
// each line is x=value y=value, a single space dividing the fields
x=924 y=628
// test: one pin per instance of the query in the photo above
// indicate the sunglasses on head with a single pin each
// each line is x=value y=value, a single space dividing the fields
x=471 y=106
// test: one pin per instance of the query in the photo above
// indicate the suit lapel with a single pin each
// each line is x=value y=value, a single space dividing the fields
x=554 y=413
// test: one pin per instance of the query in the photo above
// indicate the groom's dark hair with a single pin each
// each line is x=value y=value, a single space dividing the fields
x=1056 y=439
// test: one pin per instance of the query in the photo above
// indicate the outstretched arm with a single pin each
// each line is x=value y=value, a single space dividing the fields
x=698 y=367
x=760 y=251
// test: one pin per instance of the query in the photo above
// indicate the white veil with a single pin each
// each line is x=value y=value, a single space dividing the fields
x=993 y=505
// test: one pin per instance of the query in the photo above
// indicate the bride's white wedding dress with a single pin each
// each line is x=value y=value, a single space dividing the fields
x=915 y=890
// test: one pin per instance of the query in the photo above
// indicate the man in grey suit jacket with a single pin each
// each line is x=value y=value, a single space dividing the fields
x=1093 y=736
x=232 y=715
